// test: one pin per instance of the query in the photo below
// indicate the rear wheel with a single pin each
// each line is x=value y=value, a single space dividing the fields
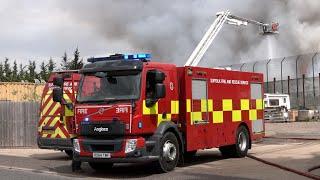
x=225 y=151
x=240 y=149
x=98 y=166
x=69 y=153
x=169 y=153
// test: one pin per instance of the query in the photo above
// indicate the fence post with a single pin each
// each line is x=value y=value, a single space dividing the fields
x=297 y=80
x=267 y=73
x=274 y=85
x=303 y=92
x=281 y=75
x=313 y=83
x=242 y=66
x=289 y=85
x=254 y=65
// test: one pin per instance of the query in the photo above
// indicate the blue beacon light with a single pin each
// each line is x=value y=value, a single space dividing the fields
x=136 y=56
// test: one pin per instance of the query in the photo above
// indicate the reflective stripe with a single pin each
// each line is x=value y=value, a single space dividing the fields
x=227 y=105
x=204 y=107
x=174 y=107
x=68 y=112
x=259 y=104
x=210 y=105
x=196 y=116
x=244 y=104
x=161 y=118
x=236 y=115
x=50 y=117
x=253 y=114
x=188 y=105
x=217 y=116
x=154 y=110
x=150 y=110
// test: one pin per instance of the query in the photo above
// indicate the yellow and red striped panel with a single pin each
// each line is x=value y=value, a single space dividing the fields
x=202 y=109
x=50 y=112
x=154 y=110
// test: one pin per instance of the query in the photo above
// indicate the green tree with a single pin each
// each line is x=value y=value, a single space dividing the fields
x=22 y=73
x=76 y=63
x=1 y=73
x=43 y=71
x=7 y=70
x=14 y=76
x=31 y=74
x=65 y=64
x=51 y=65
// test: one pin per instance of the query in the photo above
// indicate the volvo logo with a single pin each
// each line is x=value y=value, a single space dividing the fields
x=101 y=110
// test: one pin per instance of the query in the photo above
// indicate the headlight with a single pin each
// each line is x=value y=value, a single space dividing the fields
x=76 y=145
x=131 y=145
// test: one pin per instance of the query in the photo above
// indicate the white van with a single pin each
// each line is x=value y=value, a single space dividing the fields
x=276 y=100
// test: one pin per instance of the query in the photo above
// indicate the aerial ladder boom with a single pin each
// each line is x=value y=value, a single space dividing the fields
x=212 y=32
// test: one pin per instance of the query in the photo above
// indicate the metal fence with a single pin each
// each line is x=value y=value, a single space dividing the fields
x=297 y=76
x=18 y=124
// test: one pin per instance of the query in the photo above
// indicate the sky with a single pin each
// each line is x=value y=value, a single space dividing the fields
x=170 y=30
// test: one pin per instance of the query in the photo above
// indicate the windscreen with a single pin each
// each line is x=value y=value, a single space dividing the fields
x=106 y=86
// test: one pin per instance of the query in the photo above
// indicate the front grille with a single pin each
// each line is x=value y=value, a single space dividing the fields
x=107 y=148
x=93 y=145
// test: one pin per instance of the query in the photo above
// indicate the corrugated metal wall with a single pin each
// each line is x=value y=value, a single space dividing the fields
x=20 y=92
x=18 y=124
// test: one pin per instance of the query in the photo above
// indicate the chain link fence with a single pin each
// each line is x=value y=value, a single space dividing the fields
x=297 y=76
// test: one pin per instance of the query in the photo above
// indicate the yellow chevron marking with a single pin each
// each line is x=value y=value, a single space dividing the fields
x=54 y=121
x=54 y=109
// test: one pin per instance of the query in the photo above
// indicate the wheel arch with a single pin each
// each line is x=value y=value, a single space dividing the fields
x=169 y=126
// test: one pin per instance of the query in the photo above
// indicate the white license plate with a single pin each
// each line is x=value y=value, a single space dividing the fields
x=101 y=155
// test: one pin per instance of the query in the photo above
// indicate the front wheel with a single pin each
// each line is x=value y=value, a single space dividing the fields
x=169 y=153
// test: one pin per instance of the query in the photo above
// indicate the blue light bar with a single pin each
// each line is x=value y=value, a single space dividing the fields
x=142 y=57
x=137 y=56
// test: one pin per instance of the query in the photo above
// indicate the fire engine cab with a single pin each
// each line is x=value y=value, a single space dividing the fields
x=130 y=109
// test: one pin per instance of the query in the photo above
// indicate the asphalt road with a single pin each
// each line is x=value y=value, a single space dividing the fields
x=296 y=154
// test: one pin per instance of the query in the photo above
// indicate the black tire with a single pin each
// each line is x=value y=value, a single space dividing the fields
x=98 y=166
x=240 y=149
x=69 y=153
x=226 y=151
x=169 y=153
x=189 y=155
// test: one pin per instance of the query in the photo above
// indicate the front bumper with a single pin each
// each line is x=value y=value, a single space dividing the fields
x=54 y=143
x=76 y=157
x=144 y=152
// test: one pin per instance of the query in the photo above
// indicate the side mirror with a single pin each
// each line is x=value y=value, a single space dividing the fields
x=160 y=90
x=159 y=76
x=57 y=95
x=58 y=81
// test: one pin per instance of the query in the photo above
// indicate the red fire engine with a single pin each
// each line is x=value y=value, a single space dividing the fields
x=129 y=109
x=56 y=124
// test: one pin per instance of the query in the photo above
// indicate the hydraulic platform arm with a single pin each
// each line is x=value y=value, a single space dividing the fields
x=212 y=32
